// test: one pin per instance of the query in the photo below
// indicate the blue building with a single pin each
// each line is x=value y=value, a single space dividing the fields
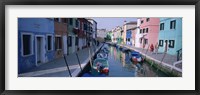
x=35 y=42
x=129 y=37
x=170 y=35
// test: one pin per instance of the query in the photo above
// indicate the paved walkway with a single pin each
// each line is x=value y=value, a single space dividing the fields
x=58 y=68
x=165 y=58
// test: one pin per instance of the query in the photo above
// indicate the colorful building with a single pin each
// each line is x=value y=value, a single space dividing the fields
x=35 y=42
x=133 y=35
x=113 y=35
x=149 y=28
x=93 y=29
x=170 y=35
x=88 y=26
x=119 y=31
x=126 y=28
x=72 y=35
x=117 y=34
x=82 y=34
x=129 y=37
x=60 y=25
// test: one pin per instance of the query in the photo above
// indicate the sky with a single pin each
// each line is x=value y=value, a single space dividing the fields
x=112 y=22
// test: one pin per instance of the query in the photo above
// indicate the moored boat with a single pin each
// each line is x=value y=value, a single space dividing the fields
x=136 y=57
x=101 y=66
x=102 y=55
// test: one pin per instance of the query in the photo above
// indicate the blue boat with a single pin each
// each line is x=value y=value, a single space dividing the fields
x=90 y=75
x=100 y=68
x=136 y=57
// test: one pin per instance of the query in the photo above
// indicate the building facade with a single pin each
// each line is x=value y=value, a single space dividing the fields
x=126 y=28
x=35 y=42
x=82 y=34
x=138 y=35
x=60 y=27
x=101 y=33
x=170 y=35
x=149 y=28
x=93 y=29
x=72 y=35
x=133 y=36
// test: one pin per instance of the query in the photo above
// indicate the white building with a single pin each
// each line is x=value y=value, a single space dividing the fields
x=117 y=34
x=138 y=34
x=101 y=33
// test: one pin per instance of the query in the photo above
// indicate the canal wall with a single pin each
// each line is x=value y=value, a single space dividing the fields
x=167 y=68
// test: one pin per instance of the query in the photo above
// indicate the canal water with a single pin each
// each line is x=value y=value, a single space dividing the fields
x=120 y=65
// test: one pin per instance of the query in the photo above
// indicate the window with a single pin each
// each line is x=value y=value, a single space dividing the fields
x=145 y=41
x=69 y=41
x=142 y=21
x=76 y=41
x=49 y=42
x=27 y=44
x=161 y=43
x=77 y=24
x=71 y=21
x=58 y=43
x=147 y=19
x=171 y=43
x=140 y=31
x=56 y=19
x=162 y=26
x=173 y=24
x=147 y=30
x=143 y=30
x=85 y=27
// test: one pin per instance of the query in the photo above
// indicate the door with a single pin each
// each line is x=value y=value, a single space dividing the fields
x=65 y=44
x=40 y=50
x=73 y=44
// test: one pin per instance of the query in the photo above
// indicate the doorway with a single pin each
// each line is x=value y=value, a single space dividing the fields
x=65 y=44
x=40 y=50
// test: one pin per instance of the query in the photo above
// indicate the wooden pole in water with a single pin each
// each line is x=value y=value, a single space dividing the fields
x=79 y=62
x=67 y=66
x=90 y=58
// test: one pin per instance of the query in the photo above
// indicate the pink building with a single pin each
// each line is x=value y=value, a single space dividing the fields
x=134 y=31
x=149 y=29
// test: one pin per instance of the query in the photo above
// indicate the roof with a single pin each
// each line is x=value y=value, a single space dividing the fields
x=132 y=22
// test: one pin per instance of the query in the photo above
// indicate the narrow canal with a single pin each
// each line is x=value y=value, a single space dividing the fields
x=120 y=65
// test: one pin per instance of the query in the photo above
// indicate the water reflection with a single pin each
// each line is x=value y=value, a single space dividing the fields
x=121 y=66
